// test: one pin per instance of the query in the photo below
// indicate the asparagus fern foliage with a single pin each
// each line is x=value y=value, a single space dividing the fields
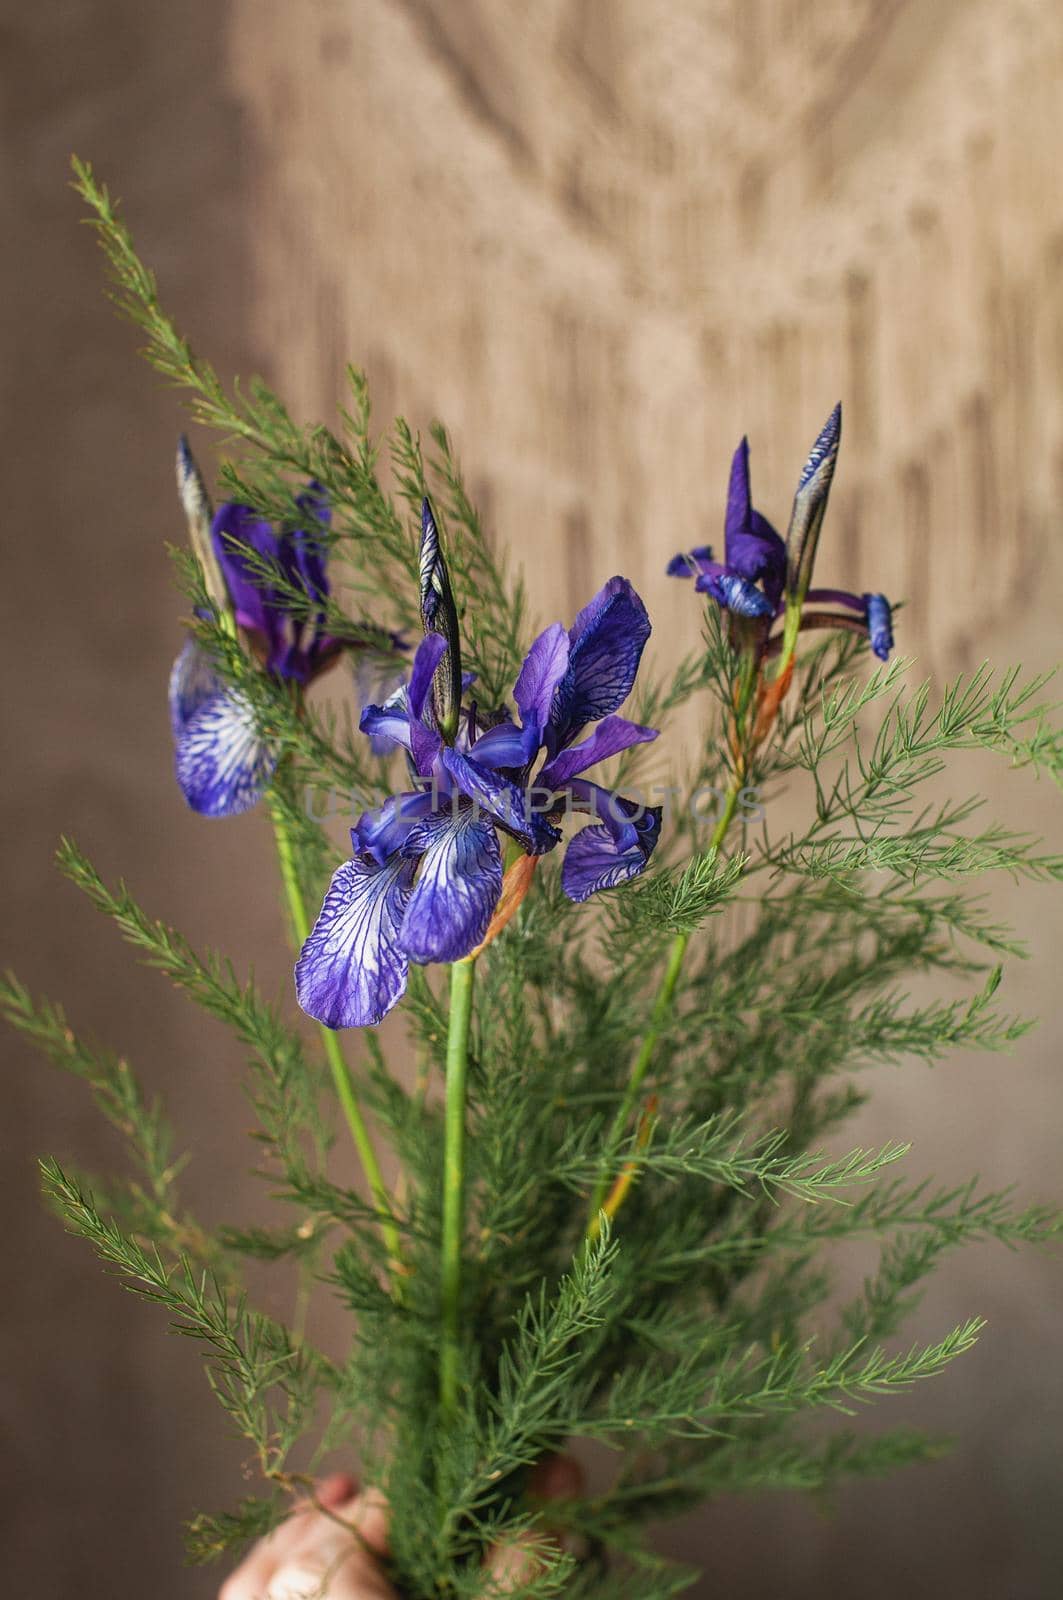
x=621 y=1171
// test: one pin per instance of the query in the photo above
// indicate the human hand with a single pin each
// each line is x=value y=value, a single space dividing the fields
x=315 y=1555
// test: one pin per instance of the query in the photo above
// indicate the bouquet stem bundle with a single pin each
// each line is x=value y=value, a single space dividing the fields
x=620 y=1188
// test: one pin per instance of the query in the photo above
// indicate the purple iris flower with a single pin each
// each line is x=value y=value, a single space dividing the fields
x=426 y=874
x=760 y=573
x=222 y=761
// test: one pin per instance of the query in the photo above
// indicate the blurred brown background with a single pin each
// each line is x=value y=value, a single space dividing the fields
x=601 y=238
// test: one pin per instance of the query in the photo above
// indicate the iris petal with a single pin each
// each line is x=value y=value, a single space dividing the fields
x=514 y=809
x=687 y=563
x=381 y=832
x=237 y=528
x=193 y=681
x=223 y=764
x=352 y=968
x=736 y=594
x=610 y=737
x=544 y=667
x=602 y=856
x=879 y=625
x=606 y=642
x=506 y=745
x=458 y=884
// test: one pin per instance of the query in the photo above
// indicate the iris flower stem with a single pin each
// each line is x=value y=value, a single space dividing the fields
x=461 y=985
x=333 y=1053
x=662 y=1007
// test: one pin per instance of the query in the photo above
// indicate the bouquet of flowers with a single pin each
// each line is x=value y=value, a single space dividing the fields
x=637 y=1010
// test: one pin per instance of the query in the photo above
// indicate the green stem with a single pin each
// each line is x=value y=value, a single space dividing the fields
x=662 y=1007
x=333 y=1053
x=461 y=980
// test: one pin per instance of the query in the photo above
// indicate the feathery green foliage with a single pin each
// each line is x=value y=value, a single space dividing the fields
x=697 y=1332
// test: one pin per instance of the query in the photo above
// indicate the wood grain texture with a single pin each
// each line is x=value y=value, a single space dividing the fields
x=604 y=238
x=601 y=238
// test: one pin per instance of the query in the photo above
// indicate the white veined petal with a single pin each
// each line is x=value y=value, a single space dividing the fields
x=223 y=763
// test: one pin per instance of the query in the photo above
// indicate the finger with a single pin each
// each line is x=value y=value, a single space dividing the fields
x=249 y=1580
x=557 y=1478
x=336 y=1555
x=352 y=1577
x=516 y=1561
x=335 y=1490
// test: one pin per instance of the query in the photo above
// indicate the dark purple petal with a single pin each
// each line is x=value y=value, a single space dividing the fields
x=752 y=547
x=237 y=528
x=458 y=884
x=506 y=745
x=352 y=968
x=879 y=625
x=425 y=741
x=193 y=681
x=606 y=642
x=688 y=564
x=429 y=653
x=602 y=856
x=618 y=815
x=738 y=515
x=304 y=550
x=222 y=763
x=544 y=667
x=519 y=812
x=385 y=829
x=610 y=737
x=736 y=594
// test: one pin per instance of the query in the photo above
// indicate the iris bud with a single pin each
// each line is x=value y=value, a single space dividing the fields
x=810 y=505
x=199 y=514
x=439 y=615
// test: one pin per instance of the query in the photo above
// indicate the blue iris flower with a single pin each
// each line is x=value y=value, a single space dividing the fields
x=759 y=574
x=426 y=873
x=223 y=763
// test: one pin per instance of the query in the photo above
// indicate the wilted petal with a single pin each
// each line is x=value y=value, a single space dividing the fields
x=352 y=968
x=458 y=884
x=838 y=597
x=517 y=811
x=608 y=739
x=606 y=642
x=223 y=764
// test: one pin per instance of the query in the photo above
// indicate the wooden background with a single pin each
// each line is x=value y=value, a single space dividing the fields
x=601 y=239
